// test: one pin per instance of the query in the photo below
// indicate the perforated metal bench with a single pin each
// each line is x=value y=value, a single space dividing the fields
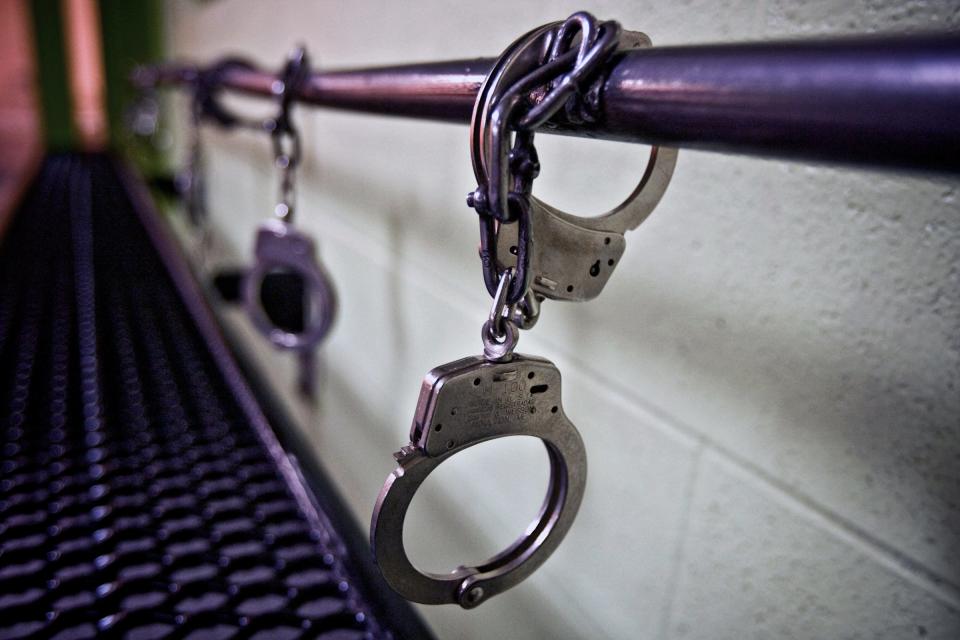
x=143 y=491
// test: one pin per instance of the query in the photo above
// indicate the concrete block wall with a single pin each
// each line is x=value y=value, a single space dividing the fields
x=767 y=388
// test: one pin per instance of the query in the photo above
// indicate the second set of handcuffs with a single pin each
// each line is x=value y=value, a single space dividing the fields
x=282 y=254
x=529 y=251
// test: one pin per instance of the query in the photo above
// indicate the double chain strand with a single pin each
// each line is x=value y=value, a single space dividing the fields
x=503 y=195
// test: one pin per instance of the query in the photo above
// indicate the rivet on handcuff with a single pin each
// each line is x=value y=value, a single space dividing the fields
x=529 y=251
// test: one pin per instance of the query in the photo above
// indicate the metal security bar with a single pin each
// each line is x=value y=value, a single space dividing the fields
x=878 y=102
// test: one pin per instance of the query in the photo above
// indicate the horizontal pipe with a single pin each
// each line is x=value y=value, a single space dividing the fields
x=881 y=102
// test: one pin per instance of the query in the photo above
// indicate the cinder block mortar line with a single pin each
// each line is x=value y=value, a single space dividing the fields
x=883 y=552
x=760 y=19
x=680 y=544
x=884 y=555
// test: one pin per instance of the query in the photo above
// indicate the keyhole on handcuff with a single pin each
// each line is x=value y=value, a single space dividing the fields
x=285 y=301
x=477 y=503
x=595 y=268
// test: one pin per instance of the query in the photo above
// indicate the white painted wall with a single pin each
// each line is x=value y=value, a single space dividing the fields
x=768 y=387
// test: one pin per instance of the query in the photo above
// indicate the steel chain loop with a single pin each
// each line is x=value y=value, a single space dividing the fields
x=503 y=197
x=285 y=137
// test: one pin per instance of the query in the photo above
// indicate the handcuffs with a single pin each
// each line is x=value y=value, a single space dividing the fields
x=462 y=404
x=529 y=251
x=279 y=246
x=570 y=257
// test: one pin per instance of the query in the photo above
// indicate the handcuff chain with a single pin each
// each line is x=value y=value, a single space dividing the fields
x=281 y=128
x=504 y=197
x=497 y=318
x=285 y=137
